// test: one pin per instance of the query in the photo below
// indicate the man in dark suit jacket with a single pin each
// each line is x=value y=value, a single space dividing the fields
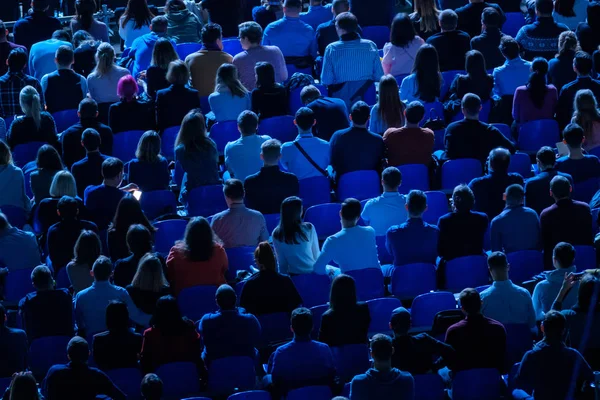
x=489 y=189
x=266 y=189
x=331 y=113
x=583 y=66
x=471 y=138
x=470 y=17
x=451 y=44
x=88 y=171
x=566 y=221
x=72 y=148
x=488 y=41
x=37 y=26
x=537 y=188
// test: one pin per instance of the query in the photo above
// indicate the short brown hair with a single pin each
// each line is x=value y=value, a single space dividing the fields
x=271 y=150
x=178 y=73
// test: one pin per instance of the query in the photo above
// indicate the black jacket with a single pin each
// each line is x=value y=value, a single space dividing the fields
x=473 y=139
x=461 y=234
x=488 y=43
x=341 y=327
x=469 y=17
x=173 y=103
x=131 y=116
x=266 y=189
x=537 y=190
x=451 y=47
x=269 y=292
x=117 y=350
x=73 y=151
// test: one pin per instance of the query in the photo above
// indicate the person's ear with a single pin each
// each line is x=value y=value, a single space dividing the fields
x=350 y=118
x=406 y=207
x=295 y=122
x=570 y=189
x=507 y=266
x=314 y=122
x=504 y=196
x=262 y=157
x=58 y=212
x=91 y=273
x=542 y=327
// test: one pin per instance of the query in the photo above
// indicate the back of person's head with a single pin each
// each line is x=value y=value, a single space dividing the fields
x=265 y=74
x=39 y=5
x=228 y=80
x=247 y=123
x=560 y=187
x=593 y=15
x=402 y=30
x=470 y=301
x=23 y=386
x=554 y=325
x=270 y=151
x=252 y=31
x=178 y=73
x=152 y=387
x=102 y=269
x=233 y=189
x=448 y=20
x=87 y=249
x=129 y=212
x=381 y=347
x=290 y=229
x=62 y=35
x=226 y=297
x=350 y=210
x=588 y=295
x=41 y=278
x=117 y=316
x=163 y=53
x=302 y=322
x=31 y=104
x=463 y=198
x=105 y=59
x=414 y=113
x=88 y=109
x=536 y=84
x=582 y=63
x=68 y=208
x=346 y=22
x=391 y=178
x=149 y=276
x=343 y=293
x=211 y=33
x=490 y=17
x=471 y=105
x=78 y=350
x=63 y=184
x=564 y=8
x=17 y=60
x=563 y=255
x=159 y=24
x=90 y=138
x=586 y=112
x=112 y=168
x=48 y=159
x=544 y=8
x=305 y=119
x=546 y=157
x=167 y=316
x=391 y=109
x=199 y=240
x=360 y=113
x=573 y=135
x=293 y=6
x=567 y=43
x=309 y=93
x=5 y=154
x=427 y=72
x=416 y=203
x=192 y=134
x=400 y=321
x=515 y=194
x=475 y=64
x=84 y=12
x=509 y=47
x=264 y=257
x=148 y=148
x=80 y=37
x=340 y=6
x=499 y=160
x=498 y=266
x=139 y=240
x=127 y=88
x=64 y=56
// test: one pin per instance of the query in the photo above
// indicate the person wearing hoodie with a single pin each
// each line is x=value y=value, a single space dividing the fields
x=547 y=290
x=184 y=26
x=382 y=382
x=12 y=183
x=142 y=47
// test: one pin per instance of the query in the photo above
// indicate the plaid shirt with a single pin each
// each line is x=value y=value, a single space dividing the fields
x=11 y=84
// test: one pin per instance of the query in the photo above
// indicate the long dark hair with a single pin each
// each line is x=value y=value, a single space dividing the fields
x=23 y=387
x=564 y=7
x=84 y=13
x=265 y=75
x=227 y=78
x=291 y=228
x=391 y=109
x=427 y=71
x=168 y=318
x=87 y=248
x=138 y=11
x=192 y=134
x=199 y=240
x=129 y=212
x=536 y=86
x=475 y=66
x=48 y=158
x=403 y=30
x=343 y=293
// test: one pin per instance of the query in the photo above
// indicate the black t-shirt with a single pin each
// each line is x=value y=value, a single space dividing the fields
x=227 y=13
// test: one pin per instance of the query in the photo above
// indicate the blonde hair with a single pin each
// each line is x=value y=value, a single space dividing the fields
x=105 y=59
x=149 y=275
x=148 y=148
x=428 y=14
x=29 y=98
x=567 y=41
x=63 y=184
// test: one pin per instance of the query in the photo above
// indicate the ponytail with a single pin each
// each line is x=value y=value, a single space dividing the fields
x=31 y=104
x=536 y=86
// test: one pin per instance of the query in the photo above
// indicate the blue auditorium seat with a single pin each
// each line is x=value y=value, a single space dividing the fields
x=476 y=384
x=206 y=201
x=239 y=259
x=125 y=144
x=167 y=233
x=313 y=288
x=275 y=328
x=180 y=379
x=232 y=46
x=414 y=177
x=251 y=395
x=128 y=380
x=26 y=152
x=317 y=313
x=361 y=185
x=281 y=128
x=315 y=190
x=463 y=272
x=462 y=170
x=167 y=142
x=65 y=119
x=224 y=132
x=412 y=280
x=514 y=22
x=585 y=257
x=325 y=218
x=369 y=283
x=17 y=285
x=519 y=340
x=521 y=164
x=505 y=130
x=310 y=392
x=196 y=301
x=429 y=387
x=381 y=312
x=158 y=202
x=185 y=49
x=437 y=205
x=585 y=191
x=350 y=360
x=44 y=352
x=380 y=35
x=228 y=374
x=427 y=305
x=535 y=134
x=272 y=221
x=524 y=265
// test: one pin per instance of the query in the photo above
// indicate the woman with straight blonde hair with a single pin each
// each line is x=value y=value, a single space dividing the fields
x=425 y=18
x=149 y=283
x=12 y=183
x=103 y=81
x=36 y=125
x=149 y=169
x=587 y=116
x=389 y=110
x=63 y=184
x=230 y=97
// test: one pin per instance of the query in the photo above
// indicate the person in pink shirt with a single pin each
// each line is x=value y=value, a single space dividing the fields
x=399 y=54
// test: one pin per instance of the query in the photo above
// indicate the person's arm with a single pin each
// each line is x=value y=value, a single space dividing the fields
x=108 y=388
x=44 y=83
x=84 y=87
x=440 y=348
x=496 y=90
x=377 y=68
x=314 y=242
x=281 y=259
x=358 y=390
x=264 y=233
x=266 y=37
x=365 y=213
x=135 y=314
x=516 y=108
x=327 y=254
x=327 y=72
x=280 y=67
x=569 y=282
x=525 y=374
x=387 y=59
x=537 y=303
x=531 y=320
x=496 y=236
x=501 y=140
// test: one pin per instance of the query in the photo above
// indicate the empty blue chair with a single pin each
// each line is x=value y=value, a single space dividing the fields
x=125 y=144
x=223 y=133
x=292 y=69
x=437 y=205
x=317 y=313
x=414 y=177
x=429 y=387
x=17 y=285
x=281 y=128
x=15 y=215
x=360 y=185
x=505 y=130
x=476 y=384
x=585 y=257
x=448 y=77
x=272 y=221
x=225 y=375
x=167 y=142
x=315 y=190
x=370 y=96
x=519 y=341
x=369 y=283
x=251 y=395
x=26 y=152
x=469 y=271
x=535 y=134
x=158 y=202
x=521 y=164
x=62 y=279
x=381 y=311
x=514 y=22
x=325 y=218
x=232 y=46
x=185 y=49
x=382 y=253
x=350 y=360
x=296 y=102
x=313 y=288
x=240 y=259
x=427 y=305
x=310 y=392
x=206 y=201
x=167 y=233
x=463 y=170
x=378 y=34
x=412 y=280
x=180 y=379
x=128 y=380
x=44 y=352
x=524 y=265
x=585 y=191
x=196 y=301
x=65 y=119
x=275 y=328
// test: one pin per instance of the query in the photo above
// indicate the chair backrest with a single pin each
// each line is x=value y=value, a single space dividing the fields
x=275 y=328
x=206 y=201
x=455 y=172
x=350 y=360
x=317 y=313
x=224 y=132
x=381 y=312
x=315 y=190
x=158 y=202
x=519 y=341
x=196 y=301
x=167 y=233
x=167 y=142
x=448 y=77
x=185 y=49
x=360 y=185
x=62 y=278
x=439 y=139
x=384 y=256
x=378 y=34
x=239 y=259
x=504 y=130
x=232 y=46
x=205 y=105
x=429 y=387
x=17 y=216
x=281 y=128
x=272 y=220
x=295 y=100
x=251 y=395
x=128 y=380
x=476 y=384
x=180 y=379
x=313 y=288
x=310 y=392
x=585 y=191
x=427 y=305
x=369 y=283
x=469 y=271
x=585 y=257
x=325 y=218
x=125 y=144
x=64 y=119
x=26 y=152
x=521 y=164
x=535 y=134
x=524 y=265
x=17 y=284
x=412 y=280
x=514 y=22
x=44 y=352
x=225 y=375
x=437 y=205
x=414 y=177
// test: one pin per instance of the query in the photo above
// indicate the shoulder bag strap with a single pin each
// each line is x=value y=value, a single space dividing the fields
x=309 y=159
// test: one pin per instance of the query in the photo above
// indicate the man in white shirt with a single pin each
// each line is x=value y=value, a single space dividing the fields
x=317 y=149
x=353 y=247
x=504 y=301
x=389 y=209
x=242 y=157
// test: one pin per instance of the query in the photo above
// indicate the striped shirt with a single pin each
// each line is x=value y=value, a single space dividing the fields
x=351 y=61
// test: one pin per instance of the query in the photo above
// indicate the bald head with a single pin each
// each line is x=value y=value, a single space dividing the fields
x=226 y=297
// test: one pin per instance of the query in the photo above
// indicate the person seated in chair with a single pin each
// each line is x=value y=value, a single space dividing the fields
x=14 y=347
x=388 y=209
x=64 y=88
x=451 y=44
x=581 y=167
x=331 y=114
x=88 y=170
x=18 y=248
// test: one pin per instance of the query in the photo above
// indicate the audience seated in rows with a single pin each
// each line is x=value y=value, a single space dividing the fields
x=104 y=80
x=88 y=170
x=37 y=26
x=48 y=163
x=476 y=81
x=128 y=213
x=513 y=73
x=470 y=16
x=130 y=113
x=63 y=184
x=388 y=209
x=149 y=283
x=85 y=20
x=425 y=82
x=587 y=115
x=326 y=33
x=488 y=41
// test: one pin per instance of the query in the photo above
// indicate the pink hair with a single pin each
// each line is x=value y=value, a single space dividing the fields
x=127 y=88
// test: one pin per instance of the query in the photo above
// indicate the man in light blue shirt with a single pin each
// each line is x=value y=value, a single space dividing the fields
x=317 y=149
x=389 y=209
x=90 y=304
x=18 y=249
x=517 y=227
x=317 y=14
x=143 y=46
x=515 y=71
x=503 y=301
x=242 y=156
x=294 y=37
x=352 y=248
x=41 y=55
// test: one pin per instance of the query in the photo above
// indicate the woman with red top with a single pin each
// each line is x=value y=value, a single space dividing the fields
x=198 y=259
x=172 y=338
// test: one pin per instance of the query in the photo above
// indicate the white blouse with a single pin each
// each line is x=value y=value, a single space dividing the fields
x=298 y=258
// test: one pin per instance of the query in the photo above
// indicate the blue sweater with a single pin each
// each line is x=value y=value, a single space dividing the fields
x=377 y=385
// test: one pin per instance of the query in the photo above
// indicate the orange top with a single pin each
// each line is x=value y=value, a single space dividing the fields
x=184 y=273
